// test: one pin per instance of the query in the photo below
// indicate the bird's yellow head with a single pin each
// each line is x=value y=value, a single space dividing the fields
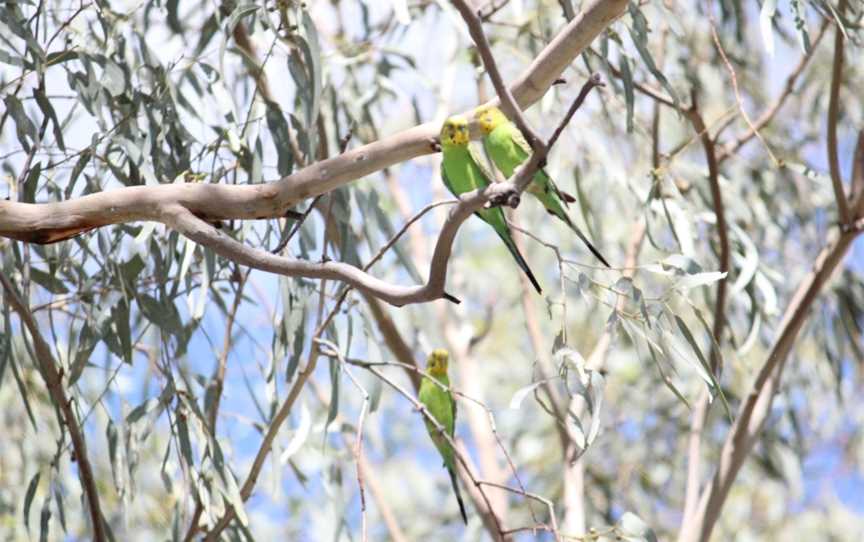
x=436 y=365
x=489 y=117
x=455 y=131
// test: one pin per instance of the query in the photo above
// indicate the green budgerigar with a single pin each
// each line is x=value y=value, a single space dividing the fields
x=439 y=402
x=507 y=147
x=462 y=172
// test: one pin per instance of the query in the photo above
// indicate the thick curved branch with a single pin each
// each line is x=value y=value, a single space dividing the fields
x=51 y=222
x=757 y=406
x=180 y=219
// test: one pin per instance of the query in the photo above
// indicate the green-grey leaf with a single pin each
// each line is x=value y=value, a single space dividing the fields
x=801 y=25
x=639 y=34
x=49 y=281
x=629 y=95
x=333 y=410
x=28 y=498
x=48 y=110
x=522 y=393
x=183 y=436
x=24 y=127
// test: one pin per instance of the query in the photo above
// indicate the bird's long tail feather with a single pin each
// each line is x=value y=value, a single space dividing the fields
x=458 y=495
x=520 y=261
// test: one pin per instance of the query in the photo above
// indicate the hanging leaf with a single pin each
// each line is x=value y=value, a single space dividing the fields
x=639 y=35
x=28 y=498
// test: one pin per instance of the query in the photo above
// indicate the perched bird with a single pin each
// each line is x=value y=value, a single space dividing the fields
x=506 y=146
x=463 y=173
x=441 y=406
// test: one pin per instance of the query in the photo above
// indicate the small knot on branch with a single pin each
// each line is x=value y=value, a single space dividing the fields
x=505 y=197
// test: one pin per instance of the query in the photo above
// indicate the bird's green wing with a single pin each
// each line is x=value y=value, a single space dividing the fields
x=519 y=138
x=447 y=181
x=468 y=174
x=482 y=162
x=453 y=410
x=465 y=174
x=438 y=402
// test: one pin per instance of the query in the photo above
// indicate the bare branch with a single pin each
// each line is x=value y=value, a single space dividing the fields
x=722 y=228
x=833 y=114
x=734 y=77
x=590 y=84
x=691 y=491
x=553 y=523
x=201 y=232
x=48 y=368
x=217 y=382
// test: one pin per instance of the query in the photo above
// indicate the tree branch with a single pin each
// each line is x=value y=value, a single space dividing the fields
x=768 y=115
x=757 y=405
x=48 y=368
x=55 y=221
x=201 y=232
x=508 y=102
x=697 y=423
x=833 y=113
x=722 y=229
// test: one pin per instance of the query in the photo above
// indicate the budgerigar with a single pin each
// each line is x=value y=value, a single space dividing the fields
x=508 y=148
x=462 y=173
x=439 y=402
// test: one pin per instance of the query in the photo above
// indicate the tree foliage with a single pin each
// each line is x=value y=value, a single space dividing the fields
x=704 y=386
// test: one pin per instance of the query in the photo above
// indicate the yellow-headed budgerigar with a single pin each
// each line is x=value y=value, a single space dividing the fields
x=440 y=404
x=462 y=172
x=507 y=147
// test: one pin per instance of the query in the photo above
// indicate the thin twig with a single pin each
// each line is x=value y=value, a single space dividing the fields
x=768 y=115
x=422 y=373
x=734 y=78
x=592 y=82
x=699 y=414
x=546 y=502
x=642 y=88
x=357 y=449
x=440 y=429
x=217 y=383
x=377 y=491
